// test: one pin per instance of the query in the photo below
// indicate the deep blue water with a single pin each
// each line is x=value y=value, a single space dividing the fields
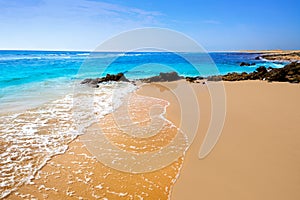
x=26 y=74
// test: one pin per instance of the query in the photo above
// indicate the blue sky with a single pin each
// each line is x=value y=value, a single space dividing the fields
x=84 y=24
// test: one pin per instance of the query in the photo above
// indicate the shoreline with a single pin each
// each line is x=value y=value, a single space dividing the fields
x=46 y=180
x=63 y=167
x=288 y=73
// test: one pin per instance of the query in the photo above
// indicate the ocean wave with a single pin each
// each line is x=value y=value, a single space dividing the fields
x=66 y=56
x=42 y=57
x=30 y=138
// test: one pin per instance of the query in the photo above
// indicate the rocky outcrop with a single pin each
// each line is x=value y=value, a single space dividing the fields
x=289 y=73
x=108 y=77
x=163 y=77
x=235 y=76
x=193 y=79
x=246 y=64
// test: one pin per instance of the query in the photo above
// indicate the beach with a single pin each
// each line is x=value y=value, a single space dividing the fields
x=257 y=155
x=143 y=100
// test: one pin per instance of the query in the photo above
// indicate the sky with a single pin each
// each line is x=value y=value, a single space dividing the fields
x=217 y=25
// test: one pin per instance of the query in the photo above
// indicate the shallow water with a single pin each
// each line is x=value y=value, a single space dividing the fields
x=137 y=138
x=30 y=138
x=145 y=149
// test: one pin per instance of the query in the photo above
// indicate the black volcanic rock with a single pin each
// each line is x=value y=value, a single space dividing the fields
x=262 y=69
x=246 y=64
x=163 y=77
x=117 y=77
x=108 y=77
x=289 y=73
x=193 y=79
x=235 y=76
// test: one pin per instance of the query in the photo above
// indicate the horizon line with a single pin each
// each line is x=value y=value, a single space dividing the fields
x=120 y=51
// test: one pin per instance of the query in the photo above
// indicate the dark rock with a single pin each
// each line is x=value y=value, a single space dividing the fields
x=261 y=69
x=289 y=73
x=112 y=77
x=235 y=76
x=190 y=79
x=269 y=69
x=108 y=77
x=246 y=64
x=163 y=77
x=193 y=79
x=122 y=77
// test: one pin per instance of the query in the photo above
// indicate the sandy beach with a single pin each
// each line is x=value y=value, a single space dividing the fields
x=256 y=157
x=143 y=100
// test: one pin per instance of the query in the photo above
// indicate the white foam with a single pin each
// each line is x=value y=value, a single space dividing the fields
x=32 y=137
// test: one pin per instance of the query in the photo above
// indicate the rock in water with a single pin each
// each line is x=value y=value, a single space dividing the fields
x=108 y=77
x=246 y=64
x=289 y=73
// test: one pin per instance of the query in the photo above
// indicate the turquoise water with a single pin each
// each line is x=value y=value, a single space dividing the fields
x=29 y=78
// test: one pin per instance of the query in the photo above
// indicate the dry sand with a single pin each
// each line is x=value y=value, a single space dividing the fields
x=258 y=153
x=256 y=157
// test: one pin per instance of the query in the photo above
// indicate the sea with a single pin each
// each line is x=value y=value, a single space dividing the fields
x=39 y=91
x=31 y=78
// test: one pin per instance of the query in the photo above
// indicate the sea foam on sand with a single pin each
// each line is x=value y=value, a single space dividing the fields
x=30 y=138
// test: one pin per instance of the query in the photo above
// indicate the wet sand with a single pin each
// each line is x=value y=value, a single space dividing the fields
x=256 y=157
x=91 y=170
x=258 y=153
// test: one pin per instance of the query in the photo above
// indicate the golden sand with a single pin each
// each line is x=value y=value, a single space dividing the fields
x=256 y=157
x=258 y=153
x=77 y=174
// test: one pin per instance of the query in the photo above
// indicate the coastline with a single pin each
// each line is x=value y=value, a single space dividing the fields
x=276 y=55
x=78 y=174
x=142 y=100
x=154 y=88
x=246 y=153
